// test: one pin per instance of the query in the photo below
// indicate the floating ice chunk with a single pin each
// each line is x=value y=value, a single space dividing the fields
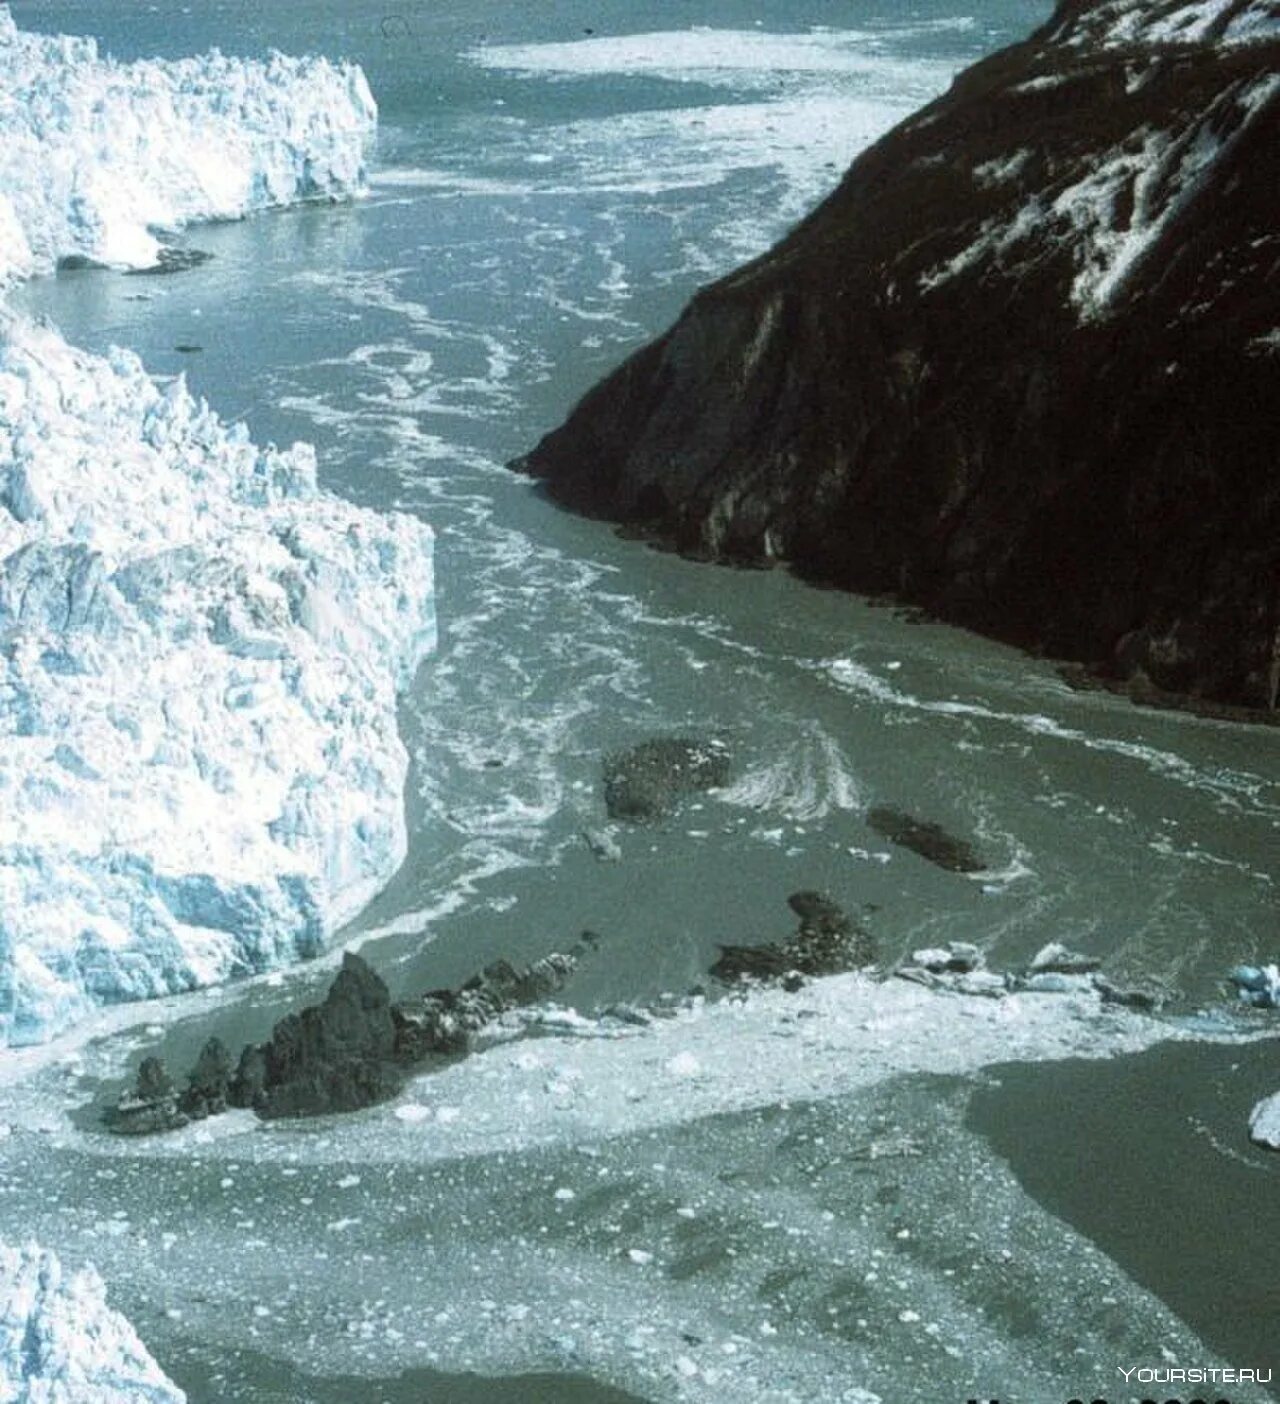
x=1058 y=982
x=1257 y=985
x=60 y=1341
x=1264 y=1122
x=95 y=154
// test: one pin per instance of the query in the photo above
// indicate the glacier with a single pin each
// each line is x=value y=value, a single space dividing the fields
x=100 y=159
x=201 y=775
x=60 y=1343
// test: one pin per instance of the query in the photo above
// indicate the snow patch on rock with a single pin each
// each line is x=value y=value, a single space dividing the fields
x=1109 y=214
x=1165 y=22
x=60 y=1343
x=98 y=157
x=200 y=771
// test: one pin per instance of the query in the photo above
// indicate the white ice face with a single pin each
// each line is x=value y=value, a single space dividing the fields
x=59 y=1340
x=200 y=773
x=97 y=156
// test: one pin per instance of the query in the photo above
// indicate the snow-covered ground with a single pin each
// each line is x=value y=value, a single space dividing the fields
x=60 y=1343
x=200 y=772
x=97 y=156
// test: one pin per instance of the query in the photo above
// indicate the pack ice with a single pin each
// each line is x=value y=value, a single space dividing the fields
x=200 y=773
x=97 y=156
x=60 y=1343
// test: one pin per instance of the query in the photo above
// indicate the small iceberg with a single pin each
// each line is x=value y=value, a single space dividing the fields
x=1258 y=985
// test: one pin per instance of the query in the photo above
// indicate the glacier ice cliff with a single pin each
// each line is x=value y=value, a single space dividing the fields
x=200 y=772
x=97 y=156
x=60 y=1343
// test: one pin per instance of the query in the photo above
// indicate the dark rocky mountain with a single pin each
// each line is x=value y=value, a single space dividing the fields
x=1021 y=368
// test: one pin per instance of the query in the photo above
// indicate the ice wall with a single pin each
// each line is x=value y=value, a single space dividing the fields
x=97 y=156
x=200 y=772
x=60 y=1343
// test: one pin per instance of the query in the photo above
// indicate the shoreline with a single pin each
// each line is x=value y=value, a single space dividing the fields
x=1080 y=675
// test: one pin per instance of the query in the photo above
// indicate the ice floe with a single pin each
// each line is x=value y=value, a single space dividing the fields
x=1264 y=1122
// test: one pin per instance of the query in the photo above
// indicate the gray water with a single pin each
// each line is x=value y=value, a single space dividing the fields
x=533 y=216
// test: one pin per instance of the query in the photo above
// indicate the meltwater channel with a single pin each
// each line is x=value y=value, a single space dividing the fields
x=550 y=186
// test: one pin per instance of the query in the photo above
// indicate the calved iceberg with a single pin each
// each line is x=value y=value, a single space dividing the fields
x=60 y=1342
x=99 y=158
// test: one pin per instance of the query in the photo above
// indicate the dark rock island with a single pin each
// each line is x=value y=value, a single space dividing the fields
x=352 y=1050
x=1022 y=368
x=826 y=942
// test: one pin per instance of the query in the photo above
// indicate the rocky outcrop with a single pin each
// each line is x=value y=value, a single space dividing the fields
x=927 y=839
x=209 y=1082
x=647 y=780
x=1022 y=368
x=448 y=1021
x=350 y=1051
x=334 y=1056
x=825 y=942
x=150 y=1106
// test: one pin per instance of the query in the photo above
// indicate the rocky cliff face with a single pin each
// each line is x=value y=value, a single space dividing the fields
x=1022 y=367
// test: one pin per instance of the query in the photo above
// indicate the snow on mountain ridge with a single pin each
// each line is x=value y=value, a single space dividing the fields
x=1111 y=210
x=153 y=145
x=60 y=1343
x=1172 y=22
